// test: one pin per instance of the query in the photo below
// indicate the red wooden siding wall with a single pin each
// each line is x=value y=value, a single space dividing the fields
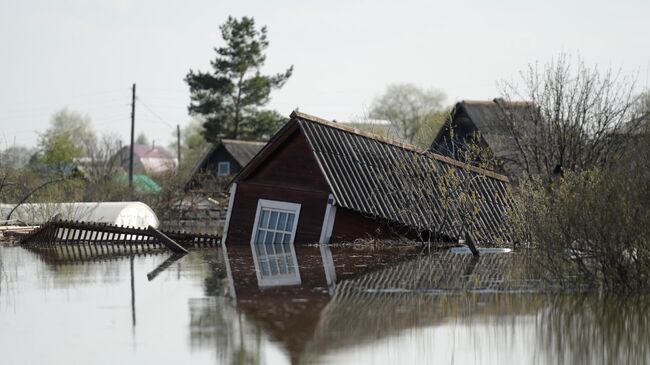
x=349 y=225
x=291 y=175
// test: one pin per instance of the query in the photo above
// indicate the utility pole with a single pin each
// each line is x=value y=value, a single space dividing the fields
x=132 y=133
x=178 y=145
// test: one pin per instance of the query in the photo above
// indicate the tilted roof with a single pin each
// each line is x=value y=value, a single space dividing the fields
x=401 y=183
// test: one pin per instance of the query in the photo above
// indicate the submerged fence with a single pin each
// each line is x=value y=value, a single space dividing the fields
x=104 y=238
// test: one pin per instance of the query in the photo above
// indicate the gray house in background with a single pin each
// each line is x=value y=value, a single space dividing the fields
x=491 y=124
x=223 y=160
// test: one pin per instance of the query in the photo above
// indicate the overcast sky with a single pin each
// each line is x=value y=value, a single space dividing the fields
x=85 y=54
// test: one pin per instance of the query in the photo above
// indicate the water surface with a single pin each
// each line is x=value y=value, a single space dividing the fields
x=351 y=306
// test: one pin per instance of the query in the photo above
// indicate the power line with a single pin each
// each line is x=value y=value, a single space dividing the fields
x=50 y=100
x=154 y=113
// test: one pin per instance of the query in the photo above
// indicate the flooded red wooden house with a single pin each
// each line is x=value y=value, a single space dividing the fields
x=318 y=181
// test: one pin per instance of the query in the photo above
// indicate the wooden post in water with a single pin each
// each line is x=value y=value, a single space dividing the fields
x=470 y=243
x=132 y=293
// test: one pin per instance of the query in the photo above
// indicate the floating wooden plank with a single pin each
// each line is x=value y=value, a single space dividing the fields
x=162 y=267
x=170 y=243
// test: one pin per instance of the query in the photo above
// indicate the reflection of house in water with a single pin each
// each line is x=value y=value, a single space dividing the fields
x=342 y=297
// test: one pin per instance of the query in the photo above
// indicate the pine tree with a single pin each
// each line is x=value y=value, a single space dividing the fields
x=230 y=97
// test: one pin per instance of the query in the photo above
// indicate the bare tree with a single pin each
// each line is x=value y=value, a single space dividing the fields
x=15 y=156
x=644 y=109
x=575 y=115
x=102 y=161
x=412 y=110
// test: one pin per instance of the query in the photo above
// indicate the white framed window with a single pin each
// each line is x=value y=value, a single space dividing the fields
x=223 y=168
x=274 y=231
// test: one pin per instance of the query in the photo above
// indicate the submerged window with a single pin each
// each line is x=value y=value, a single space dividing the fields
x=272 y=243
x=223 y=168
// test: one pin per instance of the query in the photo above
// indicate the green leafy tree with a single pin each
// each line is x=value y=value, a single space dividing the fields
x=415 y=113
x=59 y=151
x=75 y=125
x=69 y=136
x=230 y=97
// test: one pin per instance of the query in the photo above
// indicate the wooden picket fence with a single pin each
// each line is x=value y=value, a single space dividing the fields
x=104 y=238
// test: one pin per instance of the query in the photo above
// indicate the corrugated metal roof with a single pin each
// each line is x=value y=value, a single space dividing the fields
x=400 y=183
x=242 y=151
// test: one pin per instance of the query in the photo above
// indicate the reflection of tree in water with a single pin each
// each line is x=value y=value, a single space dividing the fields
x=354 y=319
x=2 y=272
x=595 y=329
x=215 y=280
x=215 y=323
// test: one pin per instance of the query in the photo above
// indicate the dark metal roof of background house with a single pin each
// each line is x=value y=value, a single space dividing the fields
x=397 y=182
x=242 y=151
x=494 y=120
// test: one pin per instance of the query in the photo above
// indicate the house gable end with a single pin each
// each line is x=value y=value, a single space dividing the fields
x=290 y=165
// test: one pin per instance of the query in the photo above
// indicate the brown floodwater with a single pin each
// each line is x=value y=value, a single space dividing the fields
x=314 y=305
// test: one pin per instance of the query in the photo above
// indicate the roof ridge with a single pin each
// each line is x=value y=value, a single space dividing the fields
x=474 y=101
x=396 y=143
x=347 y=128
x=497 y=101
x=227 y=140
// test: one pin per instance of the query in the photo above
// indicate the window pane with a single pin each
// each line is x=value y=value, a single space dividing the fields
x=273 y=223
x=260 y=236
x=282 y=221
x=268 y=242
x=278 y=241
x=273 y=262
x=289 y=226
x=282 y=264
x=276 y=262
x=264 y=219
x=264 y=266
x=258 y=249
x=223 y=168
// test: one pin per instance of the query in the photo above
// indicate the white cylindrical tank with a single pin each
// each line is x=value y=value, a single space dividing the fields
x=131 y=214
